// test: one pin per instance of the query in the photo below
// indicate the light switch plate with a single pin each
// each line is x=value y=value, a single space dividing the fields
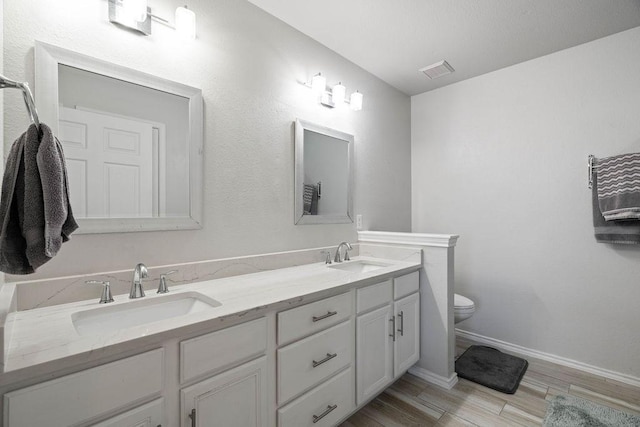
x=358 y=222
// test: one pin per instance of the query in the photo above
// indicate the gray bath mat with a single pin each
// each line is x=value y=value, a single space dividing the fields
x=491 y=368
x=570 y=411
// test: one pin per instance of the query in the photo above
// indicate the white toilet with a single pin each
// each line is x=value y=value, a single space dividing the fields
x=463 y=308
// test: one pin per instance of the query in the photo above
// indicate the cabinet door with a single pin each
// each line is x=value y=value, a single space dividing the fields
x=407 y=345
x=235 y=398
x=149 y=415
x=374 y=364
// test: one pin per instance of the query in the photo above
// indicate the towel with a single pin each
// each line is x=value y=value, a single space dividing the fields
x=35 y=209
x=310 y=200
x=627 y=232
x=619 y=189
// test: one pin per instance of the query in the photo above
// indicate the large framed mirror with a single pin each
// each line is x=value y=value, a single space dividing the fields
x=323 y=175
x=132 y=142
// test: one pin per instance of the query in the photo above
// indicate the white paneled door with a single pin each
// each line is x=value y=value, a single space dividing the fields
x=109 y=162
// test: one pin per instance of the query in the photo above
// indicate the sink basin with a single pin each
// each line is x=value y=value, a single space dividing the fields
x=106 y=319
x=359 y=266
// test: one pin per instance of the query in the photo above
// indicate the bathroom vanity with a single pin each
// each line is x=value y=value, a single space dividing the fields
x=297 y=346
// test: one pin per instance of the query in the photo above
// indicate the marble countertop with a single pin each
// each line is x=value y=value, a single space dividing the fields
x=46 y=338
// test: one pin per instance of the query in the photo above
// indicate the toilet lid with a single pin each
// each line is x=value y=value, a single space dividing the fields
x=462 y=302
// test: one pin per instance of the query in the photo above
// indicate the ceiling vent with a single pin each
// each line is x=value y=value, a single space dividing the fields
x=438 y=69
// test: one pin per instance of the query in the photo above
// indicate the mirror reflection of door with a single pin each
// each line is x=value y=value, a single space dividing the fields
x=126 y=146
x=118 y=166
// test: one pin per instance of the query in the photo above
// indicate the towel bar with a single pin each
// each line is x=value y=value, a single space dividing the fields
x=28 y=97
x=591 y=166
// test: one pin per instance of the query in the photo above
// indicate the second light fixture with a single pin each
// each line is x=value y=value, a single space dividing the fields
x=335 y=96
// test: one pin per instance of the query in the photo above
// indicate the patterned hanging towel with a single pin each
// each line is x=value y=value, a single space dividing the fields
x=619 y=186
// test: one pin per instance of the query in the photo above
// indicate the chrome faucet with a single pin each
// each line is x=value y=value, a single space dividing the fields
x=139 y=273
x=346 y=252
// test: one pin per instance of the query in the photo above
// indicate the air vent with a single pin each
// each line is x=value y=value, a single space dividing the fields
x=438 y=69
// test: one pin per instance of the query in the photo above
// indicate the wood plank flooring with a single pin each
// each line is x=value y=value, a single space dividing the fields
x=411 y=401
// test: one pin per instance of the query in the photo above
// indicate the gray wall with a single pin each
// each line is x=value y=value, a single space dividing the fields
x=501 y=160
x=248 y=65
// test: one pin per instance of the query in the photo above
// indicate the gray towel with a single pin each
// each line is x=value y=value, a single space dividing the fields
x=619 y=189
x=35 y=209
x=627 y=232
x=310 y=200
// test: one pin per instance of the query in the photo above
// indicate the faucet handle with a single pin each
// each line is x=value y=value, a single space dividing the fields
x=327 y=260
x=106 y=290
x=162 y=286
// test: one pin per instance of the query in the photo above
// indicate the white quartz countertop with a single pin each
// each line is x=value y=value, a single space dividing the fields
x=47 y=336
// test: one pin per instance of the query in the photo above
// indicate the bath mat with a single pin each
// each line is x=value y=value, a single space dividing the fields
x=491 y=368
x=571 y=411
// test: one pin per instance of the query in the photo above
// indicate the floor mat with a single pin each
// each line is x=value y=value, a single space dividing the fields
x=570 y=411
x=491 y=368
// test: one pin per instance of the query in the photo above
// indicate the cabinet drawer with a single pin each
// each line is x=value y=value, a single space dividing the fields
x=373 y=296
x=333 y=398
x=405 y=285
x=307 y=319
x=307 y=362
x=217 y=350
x=79 y=397
x=149 y=415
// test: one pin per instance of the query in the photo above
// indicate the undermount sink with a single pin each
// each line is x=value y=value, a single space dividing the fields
x=106 y=319
x=359 y=266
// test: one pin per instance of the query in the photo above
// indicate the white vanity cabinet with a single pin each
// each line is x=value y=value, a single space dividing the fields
x=235 y=396
x=387 y=333
x=77 y=398
x=316 y=370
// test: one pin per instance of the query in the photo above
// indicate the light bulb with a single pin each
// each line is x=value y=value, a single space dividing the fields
x=356 y=101
x=318 y=84
x=186 y=22
x=338 y=93
x=135 y=10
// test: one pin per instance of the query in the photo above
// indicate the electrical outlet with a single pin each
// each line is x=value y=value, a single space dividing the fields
x=358 y=222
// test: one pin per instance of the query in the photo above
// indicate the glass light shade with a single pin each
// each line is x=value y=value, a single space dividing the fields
x=186 y=22
x=135 y=9
x=318 y=84
x=338 y=92
x=356 y=101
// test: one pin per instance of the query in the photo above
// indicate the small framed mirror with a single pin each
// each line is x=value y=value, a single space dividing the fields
x=323 y=175
x=132 y=142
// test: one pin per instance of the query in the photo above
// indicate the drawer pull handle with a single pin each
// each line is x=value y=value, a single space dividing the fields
x=326 y=359
x=401 y=330
x=393 y=328
x=192 y=415
x=326 y=412
x=324 y=316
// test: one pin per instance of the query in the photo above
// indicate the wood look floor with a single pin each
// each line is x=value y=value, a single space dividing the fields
x=411 y=401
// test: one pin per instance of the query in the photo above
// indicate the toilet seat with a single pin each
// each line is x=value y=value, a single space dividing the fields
x=461 y=303
x=463 y=308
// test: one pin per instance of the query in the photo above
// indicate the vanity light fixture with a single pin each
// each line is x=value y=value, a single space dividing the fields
x=136 y=15
x=335 y=96
x=186 y=22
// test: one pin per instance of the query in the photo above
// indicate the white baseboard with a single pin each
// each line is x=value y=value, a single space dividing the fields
x=524 y=351
x=436 y=379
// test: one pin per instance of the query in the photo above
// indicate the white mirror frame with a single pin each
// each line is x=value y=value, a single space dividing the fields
x=300 y=219
x=47 y=60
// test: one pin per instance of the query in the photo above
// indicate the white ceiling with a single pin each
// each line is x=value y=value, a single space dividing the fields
x=392 y=39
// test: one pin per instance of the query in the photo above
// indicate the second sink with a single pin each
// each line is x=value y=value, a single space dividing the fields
x=360 y=266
